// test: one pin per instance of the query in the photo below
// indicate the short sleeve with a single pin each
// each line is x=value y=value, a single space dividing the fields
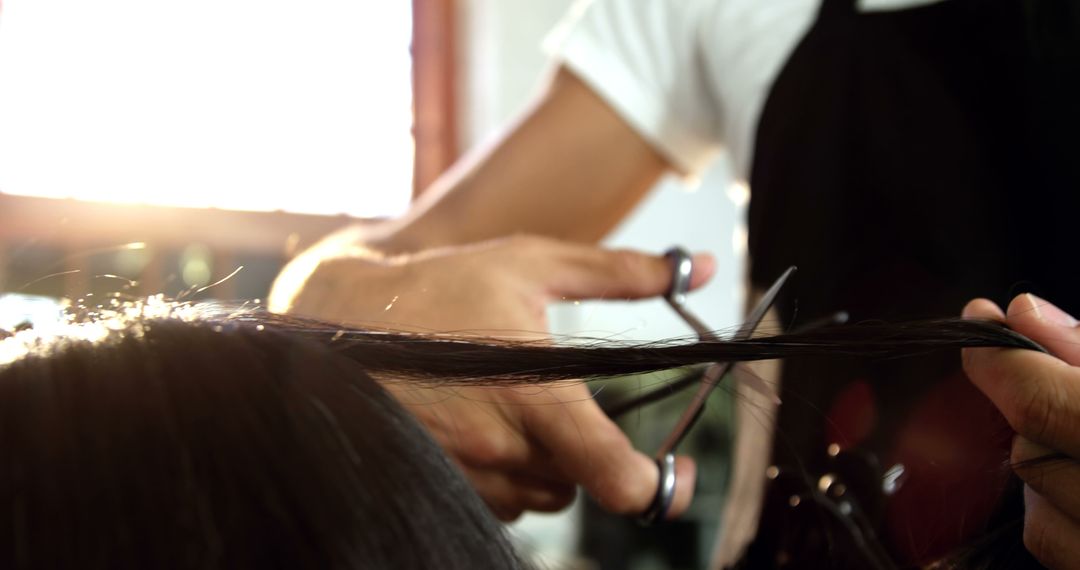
x=644 y=58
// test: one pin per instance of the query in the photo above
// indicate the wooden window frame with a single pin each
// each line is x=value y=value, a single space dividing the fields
x=434 y=77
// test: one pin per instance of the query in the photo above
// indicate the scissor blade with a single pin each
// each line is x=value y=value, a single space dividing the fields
x=716 y=371
x=703 y=332
x=762 y=308
x=746 y=331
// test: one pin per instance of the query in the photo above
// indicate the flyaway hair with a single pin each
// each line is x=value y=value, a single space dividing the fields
x=166 y=435
x=169 y=442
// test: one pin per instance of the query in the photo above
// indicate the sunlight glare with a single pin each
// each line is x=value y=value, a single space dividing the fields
x=243 y=104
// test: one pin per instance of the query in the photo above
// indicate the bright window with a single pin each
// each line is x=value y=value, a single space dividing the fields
x=245 y=104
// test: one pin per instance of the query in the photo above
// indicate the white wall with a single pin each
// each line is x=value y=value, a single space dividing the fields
x=500 y=60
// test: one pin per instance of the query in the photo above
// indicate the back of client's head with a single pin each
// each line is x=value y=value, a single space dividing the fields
x=258 y=440
x=172 y=444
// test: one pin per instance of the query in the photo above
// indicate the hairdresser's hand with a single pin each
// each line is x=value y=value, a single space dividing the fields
x=495 y=288
x=1040 y=397
x=523 y=448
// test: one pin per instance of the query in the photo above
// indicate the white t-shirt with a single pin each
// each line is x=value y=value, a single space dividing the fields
x=691 y=76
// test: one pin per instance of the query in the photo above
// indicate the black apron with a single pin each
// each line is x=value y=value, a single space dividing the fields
x=907 y=161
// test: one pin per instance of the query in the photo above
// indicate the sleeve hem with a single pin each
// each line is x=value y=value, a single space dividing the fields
x=645 y=112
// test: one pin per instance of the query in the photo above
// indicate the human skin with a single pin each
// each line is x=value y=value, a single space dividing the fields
x=1039 y=395
x=523 y=448
x=570 y=148
x=570 y=169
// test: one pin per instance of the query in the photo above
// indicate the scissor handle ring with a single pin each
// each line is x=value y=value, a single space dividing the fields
x=682 y=268
x=665 y=492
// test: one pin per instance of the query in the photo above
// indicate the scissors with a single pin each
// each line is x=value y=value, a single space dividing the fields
x=676 y=297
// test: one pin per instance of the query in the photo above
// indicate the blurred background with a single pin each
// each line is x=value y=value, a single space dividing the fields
x=153 y=146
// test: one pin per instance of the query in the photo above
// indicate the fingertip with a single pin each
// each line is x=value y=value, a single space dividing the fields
x=1023 y=306
x=1046 y=324
x=704 y=269
x=1027 y=306
x=973 y=357
x=983 y=309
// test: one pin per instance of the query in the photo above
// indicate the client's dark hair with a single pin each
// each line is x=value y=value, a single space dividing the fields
x=220 y=437
x=164 y=443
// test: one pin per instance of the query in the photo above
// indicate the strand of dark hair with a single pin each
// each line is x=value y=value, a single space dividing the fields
x=461 y=360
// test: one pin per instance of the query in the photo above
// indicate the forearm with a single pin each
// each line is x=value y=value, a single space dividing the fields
x=570 y=169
